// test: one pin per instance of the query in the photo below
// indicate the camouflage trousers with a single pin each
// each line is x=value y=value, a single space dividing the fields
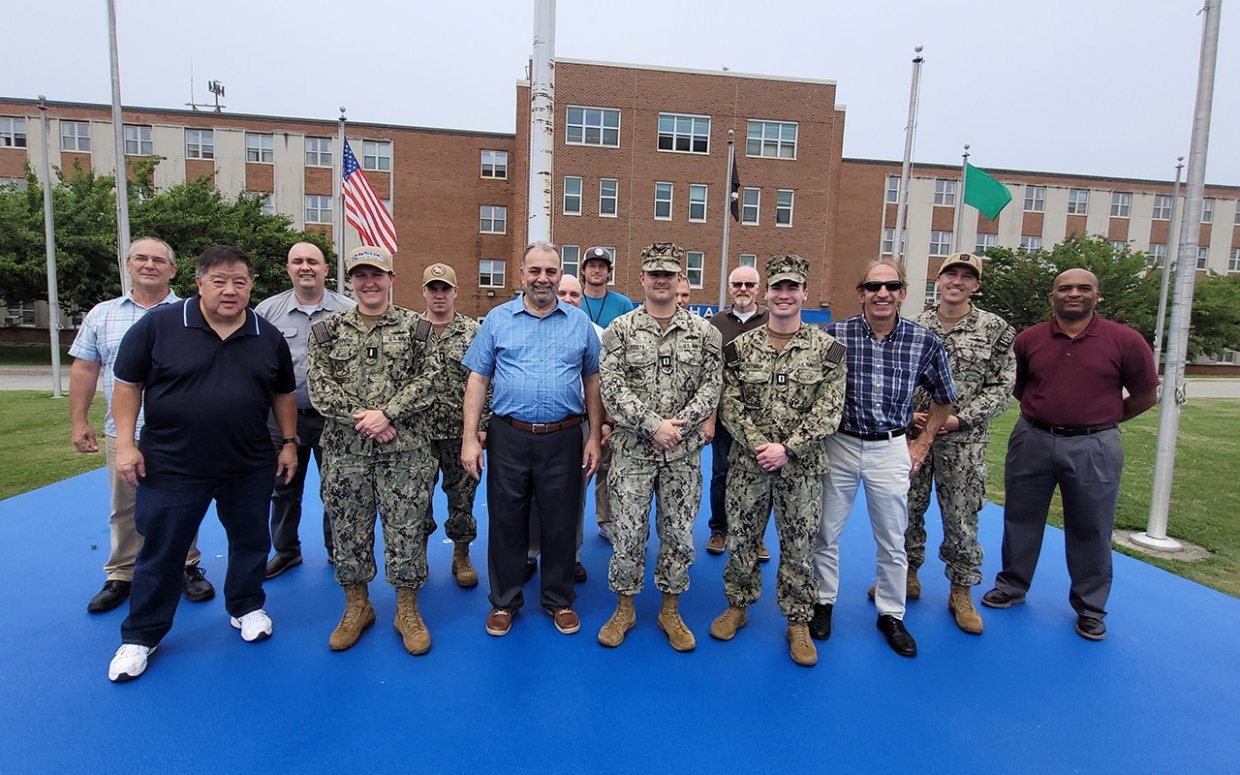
x=958 y=471
x=677 y=490
x=458 y=486
x=796 y=497
x=394 y=484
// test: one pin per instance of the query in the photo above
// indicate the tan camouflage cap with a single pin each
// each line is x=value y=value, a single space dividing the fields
x=963 y=259
x=441 y=273
x=790 y=267
x=663 y=257
x=369 y=255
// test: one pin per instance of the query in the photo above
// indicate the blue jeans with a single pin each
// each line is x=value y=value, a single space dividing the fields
x=168 y=516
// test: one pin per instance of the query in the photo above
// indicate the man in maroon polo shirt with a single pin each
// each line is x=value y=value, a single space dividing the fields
x=1071 y=374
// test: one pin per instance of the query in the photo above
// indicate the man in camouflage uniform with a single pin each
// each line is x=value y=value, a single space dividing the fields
x=660 y=383
x=979 y=347
x=453 y=333
x=371 y=375
x=783 y=393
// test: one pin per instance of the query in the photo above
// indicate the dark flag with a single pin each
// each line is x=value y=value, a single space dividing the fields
x=736 y=192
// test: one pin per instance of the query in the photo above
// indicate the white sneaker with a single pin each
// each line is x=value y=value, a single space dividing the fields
x=129 y=662
x=254 y=626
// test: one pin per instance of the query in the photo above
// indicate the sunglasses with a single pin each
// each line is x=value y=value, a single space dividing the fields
x=738 y=286
x=891 y=285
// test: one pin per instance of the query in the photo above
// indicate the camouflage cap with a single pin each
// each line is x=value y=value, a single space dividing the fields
x=790 y=267
x=441 y=273
x=369 y=255
x=663 y=257
x=963 y=259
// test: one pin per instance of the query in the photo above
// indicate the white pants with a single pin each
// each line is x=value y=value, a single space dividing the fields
x=884 y=468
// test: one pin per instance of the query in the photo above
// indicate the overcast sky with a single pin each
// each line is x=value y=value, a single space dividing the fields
x=1101 y=87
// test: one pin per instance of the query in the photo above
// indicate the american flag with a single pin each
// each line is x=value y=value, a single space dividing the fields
x=362 y=207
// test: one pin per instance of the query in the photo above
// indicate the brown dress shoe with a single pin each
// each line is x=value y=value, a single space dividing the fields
x=764 y=554
x=499 y=622
x=717 y=543
x=566 y=621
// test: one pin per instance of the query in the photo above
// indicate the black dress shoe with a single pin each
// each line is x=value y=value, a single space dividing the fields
x=897 y=637
x=820 y=624
x=997 y=598
x=195 y=585
x=579 y=574
x=531 y=565
x=1090 y=628
x=280 y=563
x=113 y=594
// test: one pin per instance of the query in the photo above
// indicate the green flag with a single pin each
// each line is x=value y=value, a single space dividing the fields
x=985 y=193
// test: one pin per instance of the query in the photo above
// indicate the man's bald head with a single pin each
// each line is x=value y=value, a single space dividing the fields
x=570 y=290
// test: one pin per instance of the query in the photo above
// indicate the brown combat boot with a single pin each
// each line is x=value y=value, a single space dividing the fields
x=669 y=620
x=621 y=621
x=358 y=615
x=462 y=568
x=912 y=586
x=409 y=622
x=731 y=620
x=801 y=648
x=960 y=603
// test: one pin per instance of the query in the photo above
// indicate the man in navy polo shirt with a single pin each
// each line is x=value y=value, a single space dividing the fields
x=208 y=370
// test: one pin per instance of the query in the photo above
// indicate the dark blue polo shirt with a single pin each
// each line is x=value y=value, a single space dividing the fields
x=206 y=399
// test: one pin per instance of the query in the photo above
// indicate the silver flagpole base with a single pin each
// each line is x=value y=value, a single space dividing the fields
x=1159 y=544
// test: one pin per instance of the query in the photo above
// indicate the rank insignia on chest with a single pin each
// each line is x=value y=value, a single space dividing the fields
x=372 y=352
x=665 y=361
x=781 y=379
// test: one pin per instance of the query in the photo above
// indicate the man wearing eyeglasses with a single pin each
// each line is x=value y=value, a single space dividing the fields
x=888 y=358
x=744 y=315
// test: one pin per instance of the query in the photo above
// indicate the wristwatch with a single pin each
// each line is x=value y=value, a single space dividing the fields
x=291 y=440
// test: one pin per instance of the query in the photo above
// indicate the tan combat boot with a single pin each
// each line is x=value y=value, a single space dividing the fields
x=409 y=622
x=731 y=620
x=670 y=622
x=912 y=585
x=801 y=647
x=462 y=568
x=623 y=620
x=960 y=603
x=358 y=615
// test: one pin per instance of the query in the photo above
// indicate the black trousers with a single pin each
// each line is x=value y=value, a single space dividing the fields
x=286 y=498
x=527 y=470
x=720 y=446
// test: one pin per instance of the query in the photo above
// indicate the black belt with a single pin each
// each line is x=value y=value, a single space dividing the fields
x=1069 y=430
x=545 y=427
x=883 y=436
x=311 y=412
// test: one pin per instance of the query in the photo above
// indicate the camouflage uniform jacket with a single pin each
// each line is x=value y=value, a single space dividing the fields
x=443 y=419
x=794 y=397
x=649 y=375
x=393 y=366
x=979 y=348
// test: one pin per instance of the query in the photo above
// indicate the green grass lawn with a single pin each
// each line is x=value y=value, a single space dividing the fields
x=35 y=441
x=1205 y=496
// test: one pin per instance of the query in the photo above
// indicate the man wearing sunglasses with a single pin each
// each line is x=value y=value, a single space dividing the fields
x=888 y=357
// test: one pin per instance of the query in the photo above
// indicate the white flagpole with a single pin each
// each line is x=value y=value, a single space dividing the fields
x=1155 y=535
x=122 y=174
x=49 y=237
x=964 y=168
x=338 y=229
x=727 y=220
x=1166 y=267
x=542 y=117
x=910 y=129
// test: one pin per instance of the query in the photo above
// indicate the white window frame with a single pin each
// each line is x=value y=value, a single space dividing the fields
x=582 y=120
x=1237 y=218
x=492 y=273
x=1203 y=257
x=570 y=259
x=699 y=202
x=664 y=193
x=1031 y=242
x=569 y=196
x=1121 y=204
x=14 y=184
x=985 y=241
x=748 y=259
x=494 y=164
x=783 y=209
x=691 y=131
x=931 y=297
x=1156 y=254
x=200 y=143
x=944 y=192
x=139 y=140
x=1207 y=210
x=1119 y=245
x=1233 y=261
x=1078 y=201
x=267 y=202
x=892 y=195
x=75 y=136
x=775 y=146
x=888 y=242
x=604 y=197
x=695 y=267
x=318 y=152
x=12 y=132
x=260 y=148
x=1163 y=205
x=940 y=242
x=377 y=155
x=747 y=206
x=492 y=219
x=318 y=209
x=1035 y=199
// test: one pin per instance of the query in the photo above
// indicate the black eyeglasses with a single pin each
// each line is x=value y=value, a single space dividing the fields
x=891 y=285
x=744 y=285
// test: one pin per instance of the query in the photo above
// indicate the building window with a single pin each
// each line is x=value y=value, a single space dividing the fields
x=377 y=155
x=258 y=148
x=783 y=206
x=12 y=132
x=608 y=197
x=1157 y=255
x=14 y=184
x=945 y=192
x=387 y=205
x=1203 y=256
x=893 y=189
x=931 y=298
x=493 y=219
x=1121 y=204
x=748 y=259
x=889 y=236
x=318 y=209
x=199 y=144
x=1119 y=245
x=318 y=152
x=686 y=134
x=985 y=241
x=1207 y=211
x=694 y=261
x=592 y=126
x=663 y=201
x=1162 y=207
x=940 y=243
x=772 y=139
x=75 y=136
x=138 y=141
x=1237 y=218
x=751 y=200
x=572 y=195
x=1035 y=199
x=1233 y=261
x=697 y=201
x=1078 y=201
x=495 y=164
x=1030 y=242
x=491 y=273
x=570 y=259
x=267 y=204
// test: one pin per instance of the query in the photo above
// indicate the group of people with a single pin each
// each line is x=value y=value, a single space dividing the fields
x=209 y=399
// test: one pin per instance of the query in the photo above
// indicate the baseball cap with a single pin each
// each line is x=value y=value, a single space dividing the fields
x=663 y=257
x=439 y=273
x=596 y=254
x=963 y=259
x=369 y=255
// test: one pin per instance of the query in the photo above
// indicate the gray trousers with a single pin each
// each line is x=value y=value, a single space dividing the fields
x=1087 y=471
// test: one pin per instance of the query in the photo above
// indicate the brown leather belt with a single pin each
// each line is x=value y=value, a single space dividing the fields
x=545 y=427
x=1069 y=430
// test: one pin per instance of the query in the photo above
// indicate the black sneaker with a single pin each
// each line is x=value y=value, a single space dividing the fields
x=113 y=594
x=195 y=585
x=820 y=625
